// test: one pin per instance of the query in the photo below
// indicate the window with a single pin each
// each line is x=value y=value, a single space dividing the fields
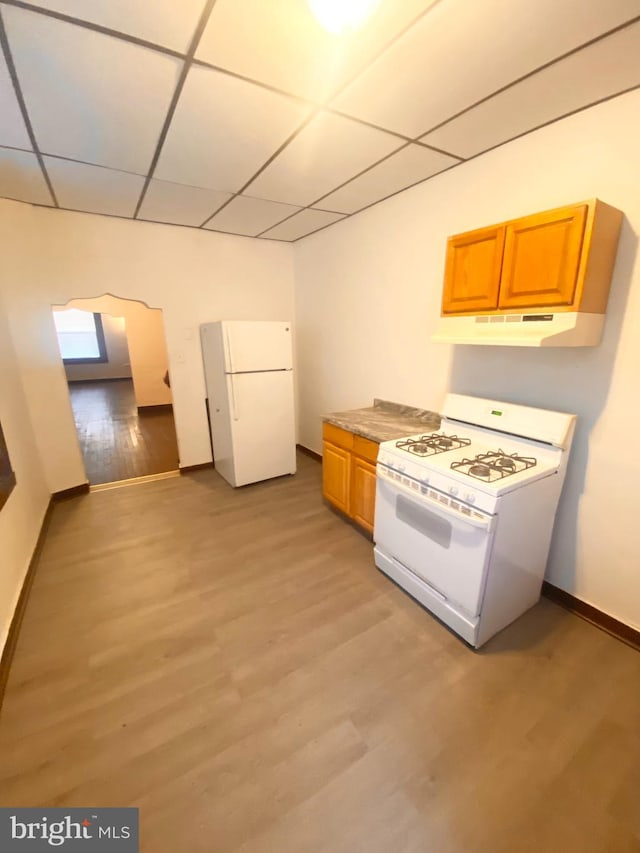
x=80 y=337
x=7 y=477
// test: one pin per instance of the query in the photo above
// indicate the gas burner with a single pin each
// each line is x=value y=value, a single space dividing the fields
x=480 y=471
x=494 y=465
x=429 y=445
x=506 y=462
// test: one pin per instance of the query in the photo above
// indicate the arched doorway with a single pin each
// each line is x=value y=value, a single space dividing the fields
x=116 y=363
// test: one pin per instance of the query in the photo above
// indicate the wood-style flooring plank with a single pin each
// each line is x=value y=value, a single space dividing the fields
x=232 y=663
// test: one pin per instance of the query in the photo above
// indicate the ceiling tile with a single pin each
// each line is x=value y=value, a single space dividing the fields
x=224 y=129
x=466 y=50
x=250 y=216
x=303 y=223
x=21 y=177
x=607 y=67
x=163 y=22
x=282 y=44
x=329 y=151
x=93 y=188
x=410 y=165
x=182 y=205
x=90 y=96
x=12 y=129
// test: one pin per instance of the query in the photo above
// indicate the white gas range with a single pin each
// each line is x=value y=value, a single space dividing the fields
x=464 y=516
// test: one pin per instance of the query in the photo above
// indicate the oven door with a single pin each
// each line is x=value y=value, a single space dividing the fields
x=448 y=550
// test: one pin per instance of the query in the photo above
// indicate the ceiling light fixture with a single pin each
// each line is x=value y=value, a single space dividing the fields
x=340 y=16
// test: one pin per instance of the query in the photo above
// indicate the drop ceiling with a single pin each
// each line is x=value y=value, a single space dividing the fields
x=247 y=117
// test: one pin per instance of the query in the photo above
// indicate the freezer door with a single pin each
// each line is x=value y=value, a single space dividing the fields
x=262 y=425
x=259 y=345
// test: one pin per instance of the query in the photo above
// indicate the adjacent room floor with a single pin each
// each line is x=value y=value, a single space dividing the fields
x=232 y=663
x=118 y=442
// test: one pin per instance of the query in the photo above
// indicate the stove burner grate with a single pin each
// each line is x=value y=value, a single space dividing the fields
x=429 y=445
x=494 y=465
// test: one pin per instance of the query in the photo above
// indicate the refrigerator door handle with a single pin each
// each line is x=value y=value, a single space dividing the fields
x=234 y=410
x=227 y=342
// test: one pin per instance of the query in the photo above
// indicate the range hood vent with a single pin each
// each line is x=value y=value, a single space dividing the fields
x=563 y=329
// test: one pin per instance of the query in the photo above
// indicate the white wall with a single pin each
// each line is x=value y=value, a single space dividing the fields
x=115 y=339
x=368 y=296
x=52 y=256
x=21 y=516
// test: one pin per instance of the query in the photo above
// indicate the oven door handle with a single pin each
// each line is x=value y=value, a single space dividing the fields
x=484 y=523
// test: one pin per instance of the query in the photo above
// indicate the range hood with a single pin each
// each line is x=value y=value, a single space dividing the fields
x=562 y=329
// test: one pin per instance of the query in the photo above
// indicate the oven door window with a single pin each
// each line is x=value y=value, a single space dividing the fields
x=425 y=522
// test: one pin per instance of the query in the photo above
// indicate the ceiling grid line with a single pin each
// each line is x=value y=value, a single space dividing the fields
x=202 y=23
x=148 y=221
x=109 y=31
x=270 y=160
x=318 y=109
x=468 y=160
x=6 y=50
x=438 y=150
x=392 y=132
x=416 y=140
x=455 y=165
x=312 y=205
x=279 y=187
x=17 y=148
x=529 y=74
x=263 y=234
x=202 y=63
x=323 y=106
x=97 y=28
x=95 y=165
x=551 y=121
x=395 y=38
x=22 y=4
x=379 y=200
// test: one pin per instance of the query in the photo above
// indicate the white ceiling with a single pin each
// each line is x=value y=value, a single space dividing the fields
x=247 y=117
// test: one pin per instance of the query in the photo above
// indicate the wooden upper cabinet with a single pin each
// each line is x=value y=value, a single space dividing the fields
x=559 y=260
x=472 y=273
x=542 y=258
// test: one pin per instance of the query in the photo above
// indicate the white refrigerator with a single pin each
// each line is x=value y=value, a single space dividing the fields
x=248 y=368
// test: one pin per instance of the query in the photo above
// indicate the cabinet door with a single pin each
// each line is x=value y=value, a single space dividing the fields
x=472 y=273
x=363 y=492
x=336 y=475
x=541 y=258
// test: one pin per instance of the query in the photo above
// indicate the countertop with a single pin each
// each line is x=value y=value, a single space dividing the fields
x=385 y=421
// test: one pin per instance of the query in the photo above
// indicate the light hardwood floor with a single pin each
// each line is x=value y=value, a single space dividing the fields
x=231 y=662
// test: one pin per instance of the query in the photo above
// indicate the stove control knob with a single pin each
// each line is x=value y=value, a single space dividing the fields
x=453 y=490
x=471 y=498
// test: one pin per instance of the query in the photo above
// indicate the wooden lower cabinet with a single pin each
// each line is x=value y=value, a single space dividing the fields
x=336 y=475
x=349 y=474
x=363 y=492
